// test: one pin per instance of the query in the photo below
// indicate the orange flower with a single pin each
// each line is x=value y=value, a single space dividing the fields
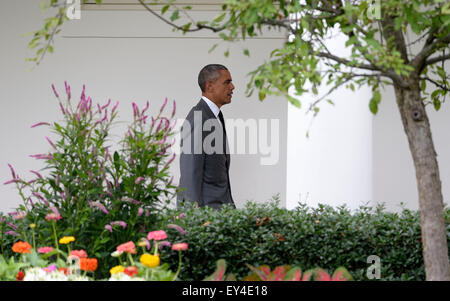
x=21 y=247
x=88 y=264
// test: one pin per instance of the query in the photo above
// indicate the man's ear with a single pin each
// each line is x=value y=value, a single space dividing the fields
x=208 y=86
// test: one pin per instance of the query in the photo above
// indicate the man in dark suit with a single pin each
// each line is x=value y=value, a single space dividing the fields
x=205 y=159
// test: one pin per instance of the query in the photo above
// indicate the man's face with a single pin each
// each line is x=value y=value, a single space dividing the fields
x=222 y=90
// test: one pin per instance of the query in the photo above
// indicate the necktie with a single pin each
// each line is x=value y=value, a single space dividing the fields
x=224 y=131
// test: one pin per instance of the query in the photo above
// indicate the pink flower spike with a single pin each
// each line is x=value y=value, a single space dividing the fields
x=139 y=180
x=140 y=211
x=114 y=108
x=157 y=235
x=13 y=173
x=180 y=246
x=135 y=110
x=119 y=223
x=40 y=123
x=12 y=181
x=163 y=244
x=174 y=108
x=54 y=91
x=67 y=90
x=107 y=104
x=45 y=250
x=176 y=227
x=36 y=173
x=147 y=105
x=12 y=233
x=62 y=109
x=99 y=206
x=109 y=228
x=50 y=142
x=163 y=105
x=55 y=210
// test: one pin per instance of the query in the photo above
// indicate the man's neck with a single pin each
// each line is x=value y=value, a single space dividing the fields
x=211 y=99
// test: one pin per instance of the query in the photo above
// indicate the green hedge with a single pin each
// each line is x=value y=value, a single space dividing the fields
x=324 y=237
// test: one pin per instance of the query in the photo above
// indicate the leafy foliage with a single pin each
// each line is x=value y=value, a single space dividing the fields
x=305 y=237
x=101 y=196
x=375 y=33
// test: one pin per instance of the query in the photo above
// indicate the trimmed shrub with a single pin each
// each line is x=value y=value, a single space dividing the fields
x=322 y=237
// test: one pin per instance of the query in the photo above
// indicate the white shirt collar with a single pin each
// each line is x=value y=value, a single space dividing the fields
x=214 y=108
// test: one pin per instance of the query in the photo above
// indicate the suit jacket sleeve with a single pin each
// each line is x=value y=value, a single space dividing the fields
x=192 y=163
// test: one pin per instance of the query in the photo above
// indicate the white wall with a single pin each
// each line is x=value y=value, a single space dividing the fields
x=127 y=56
x=334 y=165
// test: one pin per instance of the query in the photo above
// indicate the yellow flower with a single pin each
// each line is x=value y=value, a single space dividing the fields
x=66 y=240
x=32 y=226
x=117 y=269
x=149 y=260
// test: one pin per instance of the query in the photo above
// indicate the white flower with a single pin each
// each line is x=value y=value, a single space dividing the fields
x=116 y=253
x=124 y=277
x=38 y=274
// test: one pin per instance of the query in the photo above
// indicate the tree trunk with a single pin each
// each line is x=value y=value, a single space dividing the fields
x=417 y=128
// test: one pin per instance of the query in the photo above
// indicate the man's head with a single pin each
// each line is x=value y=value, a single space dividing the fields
x=216 y=84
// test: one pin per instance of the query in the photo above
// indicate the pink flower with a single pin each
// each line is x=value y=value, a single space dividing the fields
x=45 y=250
x=109 y=228
x=13 y=173
x=79 y=253
x=50 y=268
x=176 y=227
x=139 y=180
x=53 y=217
x=157 y=235
x=180 y=246
x=99 y=206
x=36 y=173
x=40 y=123
x=174 y=108
x=163 y=244
x=19 y=215
x=119 y=223
x=54 y=91
x=128 y=247
x=140 y=211
x=163 y=105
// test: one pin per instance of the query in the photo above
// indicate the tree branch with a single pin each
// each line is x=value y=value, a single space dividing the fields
x=437 y=59
x=199 y=26
x=429 y=48
x=391 y=74
x=436 y=83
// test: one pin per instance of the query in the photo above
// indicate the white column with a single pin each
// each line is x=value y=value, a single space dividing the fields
x=334 y=165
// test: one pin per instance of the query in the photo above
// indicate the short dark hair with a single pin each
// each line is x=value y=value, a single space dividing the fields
x=209 y=73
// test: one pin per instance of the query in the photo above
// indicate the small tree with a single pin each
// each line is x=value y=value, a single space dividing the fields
x=377 y=34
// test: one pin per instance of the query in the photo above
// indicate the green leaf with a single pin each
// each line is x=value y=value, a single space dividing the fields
x=373 y=104
x=246 y=52
x=164 y=9
x=220 y=17
x=175 y=15
x=212 y=48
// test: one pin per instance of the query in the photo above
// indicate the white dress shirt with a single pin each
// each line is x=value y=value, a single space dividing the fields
x=214 y=108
